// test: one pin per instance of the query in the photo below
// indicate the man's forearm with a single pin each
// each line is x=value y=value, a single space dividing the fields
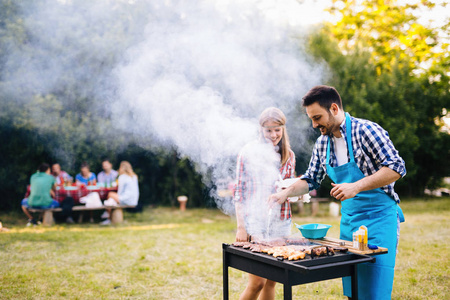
x=297 y=189
x=382 y=177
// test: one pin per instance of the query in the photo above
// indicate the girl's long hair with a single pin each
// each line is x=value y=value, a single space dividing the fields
x=126 y=168
x=277 y=116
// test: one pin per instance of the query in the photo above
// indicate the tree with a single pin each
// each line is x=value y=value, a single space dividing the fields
x=60 y=119
x=390 y=69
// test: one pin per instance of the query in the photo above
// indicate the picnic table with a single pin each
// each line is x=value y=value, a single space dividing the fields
x=76 y=192
x=48 y=220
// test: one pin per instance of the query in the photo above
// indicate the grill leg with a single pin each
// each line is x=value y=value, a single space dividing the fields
x=355 y=282
x=225 y=277
x=287 y=291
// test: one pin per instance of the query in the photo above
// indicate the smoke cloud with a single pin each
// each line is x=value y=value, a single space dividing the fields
x=203 y=74
x=190 y=75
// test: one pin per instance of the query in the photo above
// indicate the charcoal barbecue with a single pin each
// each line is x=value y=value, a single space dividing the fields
x=291 y=273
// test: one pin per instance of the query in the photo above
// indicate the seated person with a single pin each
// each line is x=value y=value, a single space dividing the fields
x=60 y=175
x=108 y=175
x=85 y=176
x=127 y=192
x=42 y=192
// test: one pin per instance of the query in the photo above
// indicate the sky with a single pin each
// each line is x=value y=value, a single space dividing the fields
x=312 y=11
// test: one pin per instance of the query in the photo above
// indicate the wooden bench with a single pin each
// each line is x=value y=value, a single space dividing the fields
x=116 y=213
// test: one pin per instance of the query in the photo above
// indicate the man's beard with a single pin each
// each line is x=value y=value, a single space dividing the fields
x=329 y=126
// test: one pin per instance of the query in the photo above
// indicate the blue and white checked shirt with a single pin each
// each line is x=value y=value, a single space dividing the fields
x=372 y=149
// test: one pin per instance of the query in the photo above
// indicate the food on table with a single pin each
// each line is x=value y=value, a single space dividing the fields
x=290 y=248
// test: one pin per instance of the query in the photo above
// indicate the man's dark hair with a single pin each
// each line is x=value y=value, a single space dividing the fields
x=106 y=159
x=84 y=165
x=43 y=167
x=324 y=95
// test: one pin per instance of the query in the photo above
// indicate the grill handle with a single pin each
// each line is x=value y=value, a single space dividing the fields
x=343 y=263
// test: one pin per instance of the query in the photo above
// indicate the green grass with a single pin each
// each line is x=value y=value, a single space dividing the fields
x=166 y=254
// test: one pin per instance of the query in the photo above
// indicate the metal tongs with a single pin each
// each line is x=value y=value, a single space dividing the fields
x=269 y=216
x=268 y=222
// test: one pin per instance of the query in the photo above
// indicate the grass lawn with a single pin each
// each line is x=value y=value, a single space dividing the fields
x=166 y=254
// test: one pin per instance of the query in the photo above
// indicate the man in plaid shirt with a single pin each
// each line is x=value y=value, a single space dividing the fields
x=363 y=164
x=373 y=150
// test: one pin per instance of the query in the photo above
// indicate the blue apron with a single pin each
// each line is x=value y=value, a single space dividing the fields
x=379 y=213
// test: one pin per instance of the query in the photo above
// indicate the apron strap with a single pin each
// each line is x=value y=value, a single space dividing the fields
x=328 y=151
x=348 y=133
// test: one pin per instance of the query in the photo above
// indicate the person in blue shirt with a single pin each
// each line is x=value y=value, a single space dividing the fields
x=85 y=176
x=361 y=160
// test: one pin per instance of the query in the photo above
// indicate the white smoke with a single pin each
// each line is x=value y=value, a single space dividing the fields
x=191 y=75
x=260 y=164
x=203 y=74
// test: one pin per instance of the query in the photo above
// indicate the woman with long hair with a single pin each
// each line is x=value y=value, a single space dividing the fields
x=127 y=192
x=260 y=164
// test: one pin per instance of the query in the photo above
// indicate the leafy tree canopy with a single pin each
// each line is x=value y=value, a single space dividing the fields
x=390 y=69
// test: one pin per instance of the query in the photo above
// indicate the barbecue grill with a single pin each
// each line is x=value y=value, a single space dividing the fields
x=291 y=273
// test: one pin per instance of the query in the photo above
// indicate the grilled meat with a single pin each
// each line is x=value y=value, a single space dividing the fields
x=297 y=241
x=257 y=248
x=320 y=251
x=278 y=248
x=241 y=244
x=247 y=245
x=285 y=252
x=298 y=255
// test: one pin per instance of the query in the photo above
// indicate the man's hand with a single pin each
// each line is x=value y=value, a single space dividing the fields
x=344 y=191
x=279 y=198
x=380 y=178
